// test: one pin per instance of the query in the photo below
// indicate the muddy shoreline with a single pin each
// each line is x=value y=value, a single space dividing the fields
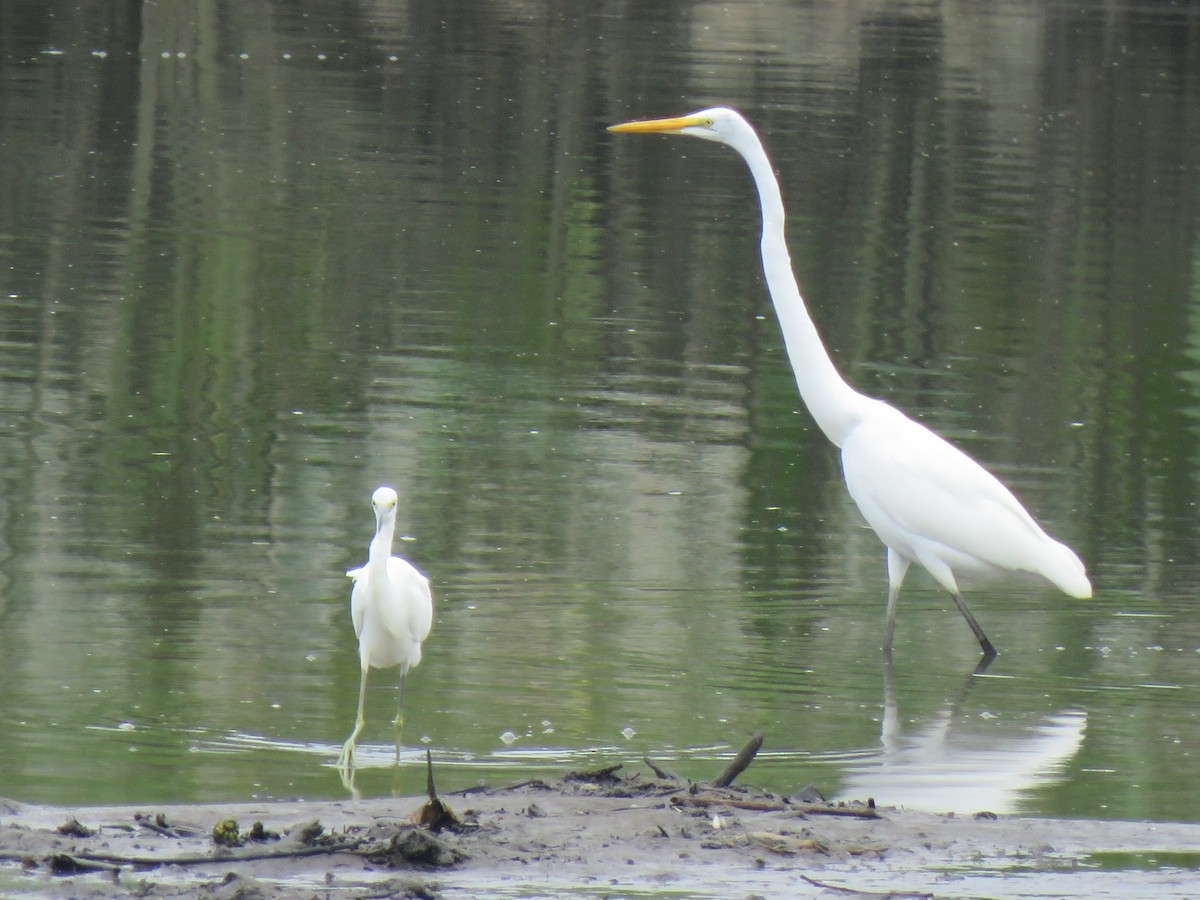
x=612 y=833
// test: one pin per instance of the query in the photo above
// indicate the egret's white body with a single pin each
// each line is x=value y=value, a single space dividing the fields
x=928 y=501
x=392 y=610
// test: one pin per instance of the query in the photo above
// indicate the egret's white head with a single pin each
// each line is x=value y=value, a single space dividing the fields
x=716 y=124
x=384 y=499
x=384 y=502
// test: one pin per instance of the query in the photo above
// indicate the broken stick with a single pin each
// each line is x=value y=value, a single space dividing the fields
x=738 y=764
x=659 y=771
x=435 y=815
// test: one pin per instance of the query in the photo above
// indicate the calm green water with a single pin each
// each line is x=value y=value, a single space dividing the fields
x=256 y=259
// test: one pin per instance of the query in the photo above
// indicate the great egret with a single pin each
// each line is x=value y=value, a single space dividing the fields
x=392 y=609
x=928 y=501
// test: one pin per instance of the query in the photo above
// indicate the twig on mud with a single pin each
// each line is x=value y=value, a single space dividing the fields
x=152 y=862
x=480 y=788
x=825 y=885
x=596 y=776
x=68 y=864
x=527 y=784
x=659 y=771
x=853 y=812
x=160 y=825
x=739 y=763
x=732 y=803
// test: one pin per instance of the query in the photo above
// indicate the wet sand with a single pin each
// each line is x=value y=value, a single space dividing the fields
x=591 y=834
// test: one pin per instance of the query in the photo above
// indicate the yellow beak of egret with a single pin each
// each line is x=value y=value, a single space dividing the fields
x=658 y=126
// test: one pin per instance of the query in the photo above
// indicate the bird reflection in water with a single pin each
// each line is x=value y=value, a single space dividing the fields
x=952 y=764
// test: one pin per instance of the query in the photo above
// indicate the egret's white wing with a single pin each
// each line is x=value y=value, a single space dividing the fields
x=923 y=495
x=412 y=614
x=358 y=593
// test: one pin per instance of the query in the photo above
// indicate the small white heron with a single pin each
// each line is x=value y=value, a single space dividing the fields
x=392 y=609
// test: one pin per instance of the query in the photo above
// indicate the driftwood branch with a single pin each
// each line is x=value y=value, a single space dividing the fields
x=853 y=812
x=816 y=809
x=151 y=862
x=738 y=764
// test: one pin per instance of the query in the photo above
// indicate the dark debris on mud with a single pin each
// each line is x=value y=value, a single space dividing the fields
x=613 y=825
x=569 y=820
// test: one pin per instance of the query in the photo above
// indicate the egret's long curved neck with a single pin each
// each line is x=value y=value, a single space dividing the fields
x=381 y=544
x=833 y=403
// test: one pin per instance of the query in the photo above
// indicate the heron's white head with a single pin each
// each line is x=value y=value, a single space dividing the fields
x=719 y=124
x=384 y=500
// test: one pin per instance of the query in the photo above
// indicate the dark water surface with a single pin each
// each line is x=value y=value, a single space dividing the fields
x=256 y=259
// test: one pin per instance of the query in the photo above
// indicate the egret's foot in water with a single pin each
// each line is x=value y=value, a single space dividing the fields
x=346 y=758
x=398 y=724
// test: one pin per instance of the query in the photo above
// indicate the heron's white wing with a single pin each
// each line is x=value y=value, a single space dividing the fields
x=413 y=614
x=924 y=496
x=358 y=593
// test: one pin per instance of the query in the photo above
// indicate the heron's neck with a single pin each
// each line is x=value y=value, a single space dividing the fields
x=381 y=544
x=833 y=403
